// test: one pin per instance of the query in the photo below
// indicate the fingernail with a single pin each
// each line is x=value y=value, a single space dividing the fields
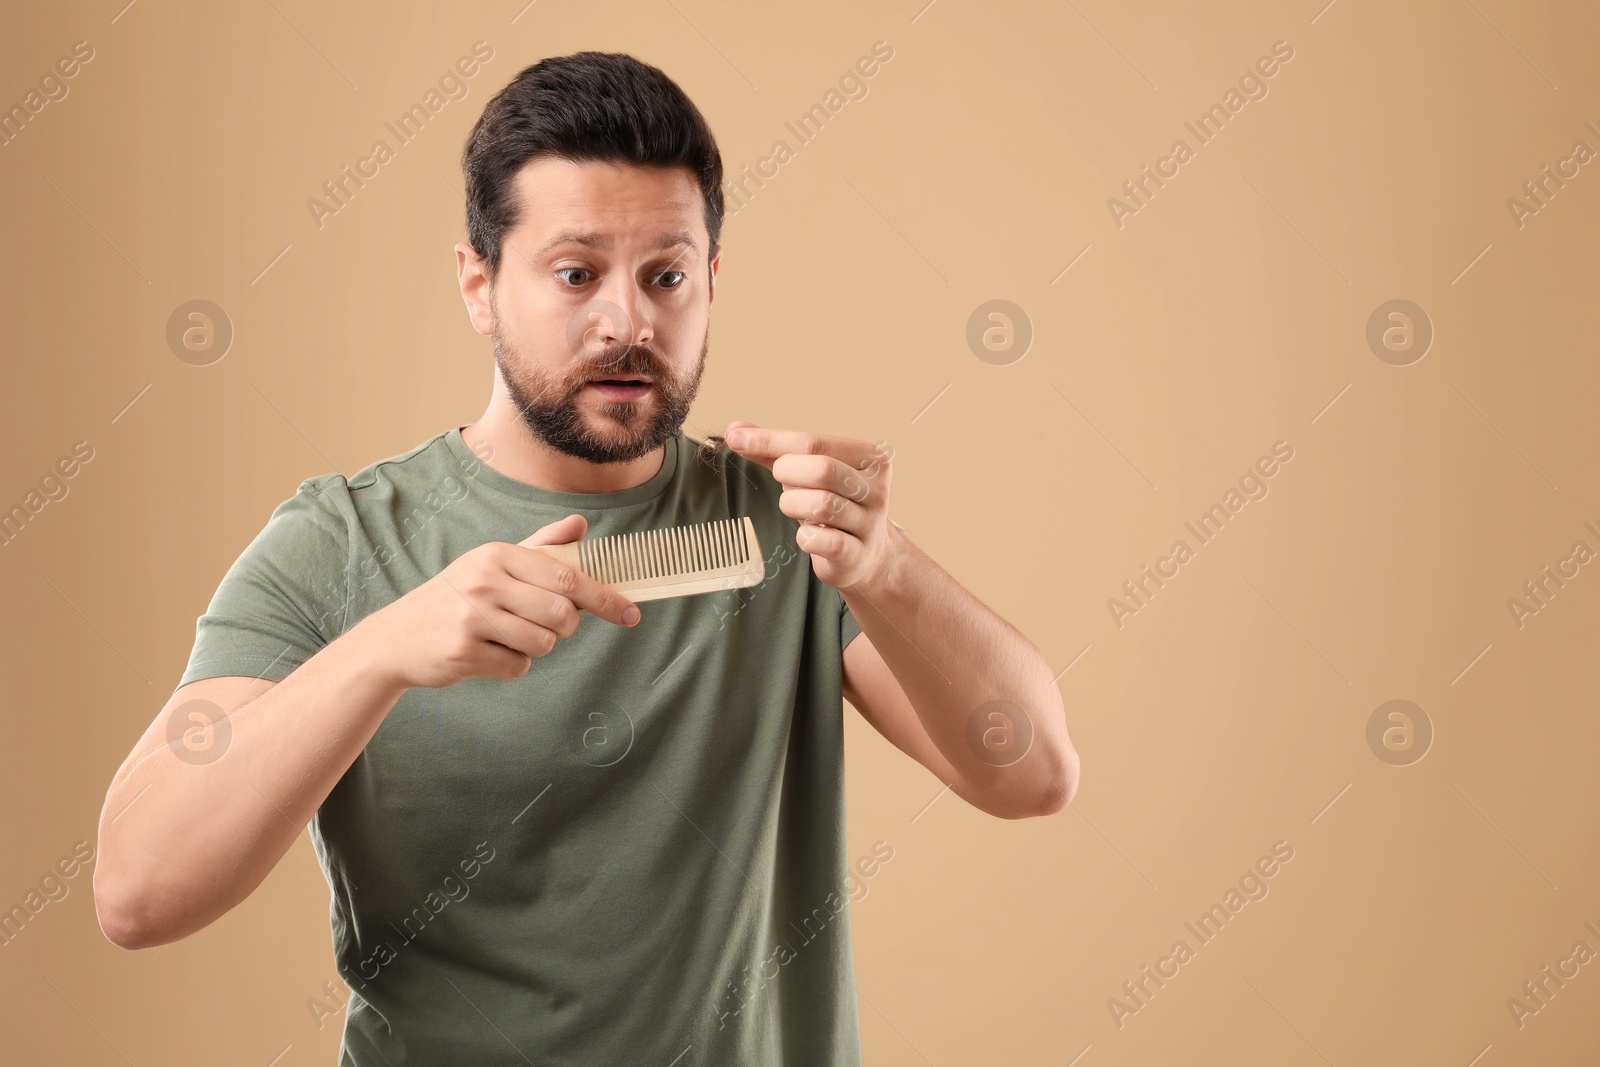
x=630 y=615
x=736 y=439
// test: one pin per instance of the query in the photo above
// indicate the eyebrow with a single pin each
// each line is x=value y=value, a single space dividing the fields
x=591 y=239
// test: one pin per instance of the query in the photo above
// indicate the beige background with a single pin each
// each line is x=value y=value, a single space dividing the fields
x=1228 y=314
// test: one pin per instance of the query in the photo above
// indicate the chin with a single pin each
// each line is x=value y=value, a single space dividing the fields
x=611 y=432
x=630 y=416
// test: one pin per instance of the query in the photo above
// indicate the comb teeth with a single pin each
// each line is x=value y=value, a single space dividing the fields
x=701 y=557
x=676 y=552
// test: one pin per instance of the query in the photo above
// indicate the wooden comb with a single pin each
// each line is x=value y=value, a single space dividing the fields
x=701 y=557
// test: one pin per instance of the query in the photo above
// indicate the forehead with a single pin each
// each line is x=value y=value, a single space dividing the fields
x=623 y=204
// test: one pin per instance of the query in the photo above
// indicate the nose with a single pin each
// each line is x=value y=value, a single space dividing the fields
x=618 y=315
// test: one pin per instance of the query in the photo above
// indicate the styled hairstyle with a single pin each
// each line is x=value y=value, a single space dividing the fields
x=588 y=106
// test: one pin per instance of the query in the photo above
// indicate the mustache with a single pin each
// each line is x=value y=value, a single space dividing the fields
x=625 y=361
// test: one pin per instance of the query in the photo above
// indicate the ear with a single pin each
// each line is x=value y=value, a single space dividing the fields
x=477 y=290
x=716 y=261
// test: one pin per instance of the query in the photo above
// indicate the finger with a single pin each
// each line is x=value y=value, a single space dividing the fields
x=536 y=568
x=511 y=630
x=766 y=445
x=552 y=613
x=563 y=530
x=821 y=506
x=538 y=605
x=830 y=543
x=795 y=471
x=498 y=661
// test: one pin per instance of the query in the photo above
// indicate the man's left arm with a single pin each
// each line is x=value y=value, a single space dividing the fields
x=942 y=676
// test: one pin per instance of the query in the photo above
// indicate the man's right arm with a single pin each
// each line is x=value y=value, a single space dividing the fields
x=183 y=840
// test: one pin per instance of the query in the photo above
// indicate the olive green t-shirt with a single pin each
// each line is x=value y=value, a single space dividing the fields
x=633 y=854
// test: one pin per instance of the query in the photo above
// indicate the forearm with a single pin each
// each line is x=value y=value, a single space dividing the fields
x=183 y=842
x=983 y=692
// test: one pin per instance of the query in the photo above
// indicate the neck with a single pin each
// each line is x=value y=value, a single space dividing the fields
x=504 y=442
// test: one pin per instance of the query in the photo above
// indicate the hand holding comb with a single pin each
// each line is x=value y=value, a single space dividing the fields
x=701 y=557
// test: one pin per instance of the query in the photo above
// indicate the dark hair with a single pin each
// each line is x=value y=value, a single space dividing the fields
x=714 y=452
x=601 y=106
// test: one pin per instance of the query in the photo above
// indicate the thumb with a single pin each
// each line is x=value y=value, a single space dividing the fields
x=559 y=532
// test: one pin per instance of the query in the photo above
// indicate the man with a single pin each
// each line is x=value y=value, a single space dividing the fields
x=559 y=828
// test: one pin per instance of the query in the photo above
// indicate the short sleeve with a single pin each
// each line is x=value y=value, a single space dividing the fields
x=284 y=598
x=848 y=626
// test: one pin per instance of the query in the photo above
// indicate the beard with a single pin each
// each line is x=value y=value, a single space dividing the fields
x=550 y=405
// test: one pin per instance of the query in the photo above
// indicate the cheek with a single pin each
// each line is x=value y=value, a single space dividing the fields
x=681 y=326
x=529 y=310
x=536 y=339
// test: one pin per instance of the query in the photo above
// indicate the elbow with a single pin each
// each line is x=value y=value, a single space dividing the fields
x=124 y=921
x=1061 y=787
x=1065 y=786
x=1056 y=799
x=1059 y=774
x=123 y=928
x=123 y=936
x=119 y=928
x=118 y=923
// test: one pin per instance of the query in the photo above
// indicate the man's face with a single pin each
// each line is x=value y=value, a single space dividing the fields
x=604 y=277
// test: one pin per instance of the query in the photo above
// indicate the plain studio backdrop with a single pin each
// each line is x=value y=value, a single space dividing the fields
x=1370 y=271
